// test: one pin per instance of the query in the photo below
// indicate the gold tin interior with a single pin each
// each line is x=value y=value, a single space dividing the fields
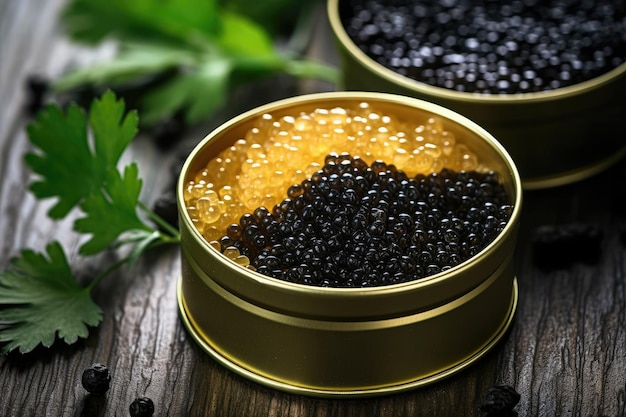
x=348 y=341
x=555 y=137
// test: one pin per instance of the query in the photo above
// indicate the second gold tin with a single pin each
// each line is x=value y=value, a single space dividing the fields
x=348 y=341
x=555 y=137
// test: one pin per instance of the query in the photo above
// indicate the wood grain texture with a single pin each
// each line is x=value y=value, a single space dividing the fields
x=565 y=354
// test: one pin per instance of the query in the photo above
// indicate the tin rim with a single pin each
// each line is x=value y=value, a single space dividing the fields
x=280 y=289
x=242 y=371
x=417 y=86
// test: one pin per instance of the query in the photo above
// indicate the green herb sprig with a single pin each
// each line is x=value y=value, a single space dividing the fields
x=199 y=50
x=75 y=158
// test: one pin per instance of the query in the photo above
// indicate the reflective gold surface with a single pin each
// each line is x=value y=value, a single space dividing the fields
x=555 y=137
x=349 y=341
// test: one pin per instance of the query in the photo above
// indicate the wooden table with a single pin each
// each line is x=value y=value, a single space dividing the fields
x=565 y=353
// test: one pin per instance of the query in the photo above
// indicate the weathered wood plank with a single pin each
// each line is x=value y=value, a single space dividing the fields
x=565 y=354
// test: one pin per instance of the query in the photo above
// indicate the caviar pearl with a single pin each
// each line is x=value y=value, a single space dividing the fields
x=278 y=152
x=491 y=47
x=375 y=242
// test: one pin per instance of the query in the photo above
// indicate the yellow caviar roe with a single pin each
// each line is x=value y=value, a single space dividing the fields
x=279 y=152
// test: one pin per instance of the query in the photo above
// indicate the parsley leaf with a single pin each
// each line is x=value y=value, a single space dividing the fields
x=172 y=21
x=133 y=60
x=241 y=36
x=200 y=92
x=61 y=139
x=76 y=159
x=64 y=150
x=204 y=47
x=43 y=301
x=112 y=130
x=111 y=212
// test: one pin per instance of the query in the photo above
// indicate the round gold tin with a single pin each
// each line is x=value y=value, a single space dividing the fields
x=555 y=137
x=348 y=341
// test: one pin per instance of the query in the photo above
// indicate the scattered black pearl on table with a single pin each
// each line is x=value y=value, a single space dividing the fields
x=141 y=407
x=96 y=379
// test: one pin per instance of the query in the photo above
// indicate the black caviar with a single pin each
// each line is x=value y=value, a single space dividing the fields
x=490 y=46
x=96 y=379
x=354 y=225
x=141 y=407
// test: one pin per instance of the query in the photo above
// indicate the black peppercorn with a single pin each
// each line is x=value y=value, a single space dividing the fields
x=96 y=379
x=558 y=246
x=165 y=207
x=141 y=407
x=500 y=400
x=37 y=88
x=168 y=131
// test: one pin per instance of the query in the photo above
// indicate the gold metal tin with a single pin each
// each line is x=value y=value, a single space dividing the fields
x=555 y=137
x=347 y=341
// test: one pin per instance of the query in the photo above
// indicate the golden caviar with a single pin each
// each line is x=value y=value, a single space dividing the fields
x=232 y=253
x=277 y=153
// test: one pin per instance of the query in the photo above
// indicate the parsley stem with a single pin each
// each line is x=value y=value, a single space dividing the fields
x=163 y=240
x=283 y=62
x=312 y=69
x=174 y=234
x=303 y=29
x=106 y=272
